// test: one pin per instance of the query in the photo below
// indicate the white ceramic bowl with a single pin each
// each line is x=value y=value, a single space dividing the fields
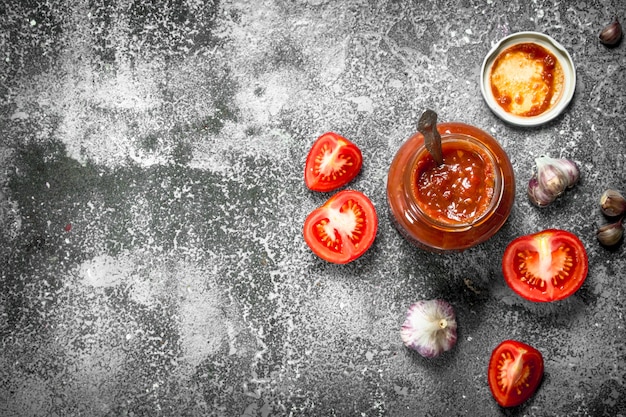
x=569 y=74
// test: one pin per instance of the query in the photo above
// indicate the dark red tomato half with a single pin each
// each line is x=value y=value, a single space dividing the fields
x=515 y=371
x=546 y=266
x=343 y=228
x=332 y=162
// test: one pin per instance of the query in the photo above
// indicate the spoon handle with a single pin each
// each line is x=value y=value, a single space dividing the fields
x=427 y=126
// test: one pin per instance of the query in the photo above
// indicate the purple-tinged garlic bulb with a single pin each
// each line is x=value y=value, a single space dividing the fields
x=429 y=328
x=553 y=177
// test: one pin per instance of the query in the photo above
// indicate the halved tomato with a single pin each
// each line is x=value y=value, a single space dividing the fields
x=343 y=228
x=546 y=266
x=332 y=162
x=514 y=373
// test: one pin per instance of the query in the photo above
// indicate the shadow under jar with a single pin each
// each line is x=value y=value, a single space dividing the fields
x=456 y=205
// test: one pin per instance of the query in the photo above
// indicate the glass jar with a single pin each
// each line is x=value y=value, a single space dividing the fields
x=459 y=204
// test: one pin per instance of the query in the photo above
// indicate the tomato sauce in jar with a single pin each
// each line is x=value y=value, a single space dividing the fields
x=456 y=205
x=459 y=190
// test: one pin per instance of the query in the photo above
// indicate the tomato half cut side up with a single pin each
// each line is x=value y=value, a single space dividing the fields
x=343 y=228
x=546 y=266
x=515 y=372
x=332 y=162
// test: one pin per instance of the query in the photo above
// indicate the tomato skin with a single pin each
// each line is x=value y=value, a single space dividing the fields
x=332 y=162
x=546 y=266
x=343 y=228
x=515 y=372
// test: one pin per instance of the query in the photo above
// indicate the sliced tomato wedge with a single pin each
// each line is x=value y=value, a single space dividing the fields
x=546 y=266
x=332 y=162
x=515 y=371
x=343 y=228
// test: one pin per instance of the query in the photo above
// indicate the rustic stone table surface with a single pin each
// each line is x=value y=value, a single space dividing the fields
x=152 y=202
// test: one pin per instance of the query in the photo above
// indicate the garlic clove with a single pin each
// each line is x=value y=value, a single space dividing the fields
x=571 y=169
x=610 y=234
x=611 y=34
x=429 y=328
x=552 y=178
x=537 y=195
x=612 y=203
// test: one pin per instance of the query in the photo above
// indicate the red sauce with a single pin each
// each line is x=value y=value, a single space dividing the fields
x=458 y=191
x=430 y=225
x=550 y=71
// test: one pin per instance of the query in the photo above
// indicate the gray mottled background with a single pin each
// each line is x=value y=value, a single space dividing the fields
x=152 y=200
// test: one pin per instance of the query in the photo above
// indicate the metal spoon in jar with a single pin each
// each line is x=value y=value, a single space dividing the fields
x=427 y=126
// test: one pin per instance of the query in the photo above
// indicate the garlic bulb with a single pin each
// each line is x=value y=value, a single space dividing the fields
x=553 y=177
x=429 y=328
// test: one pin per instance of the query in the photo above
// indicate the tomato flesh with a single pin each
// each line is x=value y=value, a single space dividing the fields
x=332 y=162
x=547 y=266
x=343 y=228
x=514 y=373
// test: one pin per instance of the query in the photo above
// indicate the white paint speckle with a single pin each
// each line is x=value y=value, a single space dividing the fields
x=103 y=271
x=364 y=103
x=19 y=115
